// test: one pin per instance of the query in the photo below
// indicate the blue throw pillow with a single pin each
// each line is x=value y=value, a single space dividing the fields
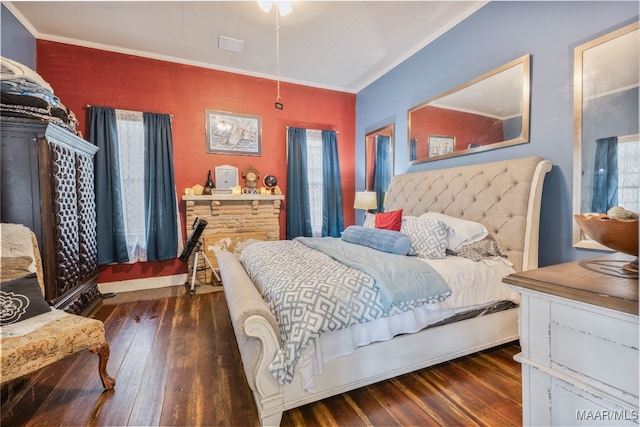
x=389 y=241
x=21 y=299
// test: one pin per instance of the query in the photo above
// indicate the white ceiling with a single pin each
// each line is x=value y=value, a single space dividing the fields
x=498 y=94
x=612 y=66
x=340 y=45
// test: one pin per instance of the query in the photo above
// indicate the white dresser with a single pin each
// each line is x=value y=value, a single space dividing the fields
x=579 y=337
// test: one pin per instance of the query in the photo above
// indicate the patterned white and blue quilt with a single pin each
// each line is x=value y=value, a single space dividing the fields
x=335 y=285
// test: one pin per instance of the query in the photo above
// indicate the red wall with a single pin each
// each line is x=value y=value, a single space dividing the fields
x=465 y=127
x=82 y=76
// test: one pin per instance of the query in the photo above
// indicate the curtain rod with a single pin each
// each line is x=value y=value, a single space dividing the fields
x=336 y=131
x=122 y=109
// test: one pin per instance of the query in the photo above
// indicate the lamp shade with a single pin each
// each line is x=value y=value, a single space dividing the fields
x=365 y=200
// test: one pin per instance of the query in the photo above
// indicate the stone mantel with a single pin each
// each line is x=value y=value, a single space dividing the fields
x=233 y=221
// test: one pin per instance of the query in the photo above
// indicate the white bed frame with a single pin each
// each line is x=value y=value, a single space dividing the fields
x=505 y=196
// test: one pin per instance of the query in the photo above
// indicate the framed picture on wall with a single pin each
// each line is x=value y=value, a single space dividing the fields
x=233 y=133
x=439 y=145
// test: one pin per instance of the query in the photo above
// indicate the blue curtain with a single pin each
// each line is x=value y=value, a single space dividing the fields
x=382 y=173
x=112 y=246
x=160 y=194
x=298 y=210
x=332 y=216
x=413 y=151
x=605 y=181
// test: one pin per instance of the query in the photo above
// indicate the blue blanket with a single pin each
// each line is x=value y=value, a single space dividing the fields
x=311 y=293
x=399 y=278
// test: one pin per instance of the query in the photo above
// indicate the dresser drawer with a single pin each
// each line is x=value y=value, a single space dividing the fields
x=596 y=348
x=575 y=407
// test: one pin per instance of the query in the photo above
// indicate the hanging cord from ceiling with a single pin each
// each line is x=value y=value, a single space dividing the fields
x=278 y=104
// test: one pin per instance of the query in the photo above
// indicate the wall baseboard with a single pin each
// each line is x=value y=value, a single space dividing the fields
x=142 y=284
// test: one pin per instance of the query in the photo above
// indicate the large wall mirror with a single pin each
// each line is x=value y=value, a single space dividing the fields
x=606 y=148
x=489 y=112
x=379 y=162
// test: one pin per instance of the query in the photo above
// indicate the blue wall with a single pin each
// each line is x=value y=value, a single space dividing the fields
x=494 y=35
x=16 y=42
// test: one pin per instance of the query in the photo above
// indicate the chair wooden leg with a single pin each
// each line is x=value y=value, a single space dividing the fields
x=103 y=351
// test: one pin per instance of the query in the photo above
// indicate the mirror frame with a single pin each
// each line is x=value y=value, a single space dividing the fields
x=579 y=238
x=525 y=60
x=367 y=154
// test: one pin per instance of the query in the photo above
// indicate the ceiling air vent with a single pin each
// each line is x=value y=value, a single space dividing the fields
x=233 y=45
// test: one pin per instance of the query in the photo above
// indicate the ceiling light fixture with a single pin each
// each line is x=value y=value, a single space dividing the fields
x=284 y=7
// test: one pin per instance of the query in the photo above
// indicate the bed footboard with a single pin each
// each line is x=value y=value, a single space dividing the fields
x=257 y=334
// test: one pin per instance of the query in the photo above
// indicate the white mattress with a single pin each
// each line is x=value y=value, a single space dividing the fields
x=473 y=285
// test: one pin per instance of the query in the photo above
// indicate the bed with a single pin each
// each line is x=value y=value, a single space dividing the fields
x=504 y=197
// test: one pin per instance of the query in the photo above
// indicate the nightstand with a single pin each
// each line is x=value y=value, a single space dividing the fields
x=579 y=339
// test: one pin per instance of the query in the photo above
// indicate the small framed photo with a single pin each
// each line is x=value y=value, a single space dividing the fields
x=439 y=145
x=232 y=133
x=226 y=177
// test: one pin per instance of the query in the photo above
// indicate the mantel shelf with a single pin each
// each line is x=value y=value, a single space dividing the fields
x=233 y=197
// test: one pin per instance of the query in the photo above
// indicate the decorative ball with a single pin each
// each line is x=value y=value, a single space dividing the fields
x=270 y=181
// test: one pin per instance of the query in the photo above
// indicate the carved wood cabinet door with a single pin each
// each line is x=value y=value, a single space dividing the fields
x=74 y=221
x=48 y=185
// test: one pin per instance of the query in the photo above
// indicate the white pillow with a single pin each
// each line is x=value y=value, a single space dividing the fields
x=463 y=231
x=428 y=237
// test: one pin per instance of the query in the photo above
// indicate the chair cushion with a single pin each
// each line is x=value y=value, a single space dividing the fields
x=21 y=299
x=55 y=340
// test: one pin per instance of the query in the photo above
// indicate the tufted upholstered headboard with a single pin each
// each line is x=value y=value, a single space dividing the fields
x=505 y=196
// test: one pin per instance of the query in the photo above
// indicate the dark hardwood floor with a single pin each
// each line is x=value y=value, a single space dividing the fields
x=176 y=363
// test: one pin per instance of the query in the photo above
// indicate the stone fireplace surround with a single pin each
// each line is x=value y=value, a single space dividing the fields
x=233 y=221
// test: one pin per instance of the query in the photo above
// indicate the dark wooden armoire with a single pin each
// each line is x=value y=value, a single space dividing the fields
x=48 y=185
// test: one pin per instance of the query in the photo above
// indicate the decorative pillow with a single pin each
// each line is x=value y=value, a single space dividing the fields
x=483 y=249
x=21 y=299
x=463 y=231
x=369 y=220
x=383 y=240
x=389 y=220
x=428 y=238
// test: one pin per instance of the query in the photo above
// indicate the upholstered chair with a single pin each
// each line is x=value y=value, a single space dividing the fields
x=33 y=334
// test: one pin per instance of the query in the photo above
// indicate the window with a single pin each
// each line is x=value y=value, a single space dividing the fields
x=629 y=172
x=314 y=186
x=314 y=174
x=136 y=205
x=130 y=130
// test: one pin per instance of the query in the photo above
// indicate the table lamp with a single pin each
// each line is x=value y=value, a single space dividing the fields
x=366 y=200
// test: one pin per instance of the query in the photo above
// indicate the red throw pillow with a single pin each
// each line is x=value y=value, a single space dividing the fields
x=389 y=220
